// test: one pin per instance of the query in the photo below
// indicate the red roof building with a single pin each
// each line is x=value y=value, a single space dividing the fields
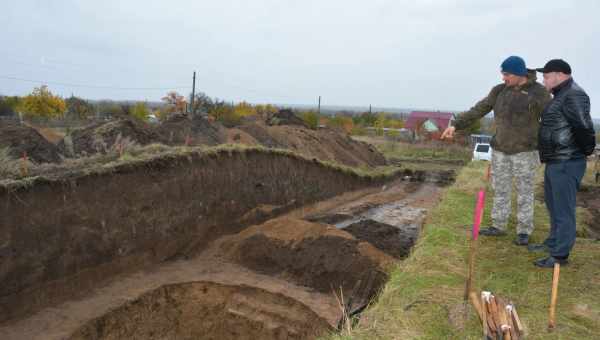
x=441 y=120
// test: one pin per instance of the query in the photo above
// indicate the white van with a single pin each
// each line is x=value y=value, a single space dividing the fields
x=482 y=152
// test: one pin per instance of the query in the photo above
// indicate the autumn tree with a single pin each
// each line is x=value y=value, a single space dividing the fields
x=109 y=108
x=140 y=111
x=174 y=102
x=202 y=103
x=365 y=119
x=126 y=108
x=8 y=105
x=244 y=109
x=380 y=123
x=311 y=118
x=394 y=123
x=225 y=114
x=78 y=108
x=342 y=122
x=42 y=103
x=266 y=110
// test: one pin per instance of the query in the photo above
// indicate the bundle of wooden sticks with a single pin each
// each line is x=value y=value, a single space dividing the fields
x=499 y=319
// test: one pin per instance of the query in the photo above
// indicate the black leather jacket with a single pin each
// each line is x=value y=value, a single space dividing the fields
x=566 y=128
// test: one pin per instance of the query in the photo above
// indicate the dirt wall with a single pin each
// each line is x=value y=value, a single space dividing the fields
x=61 y=236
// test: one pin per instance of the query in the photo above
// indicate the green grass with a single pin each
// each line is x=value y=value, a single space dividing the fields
x=428 y=156
x=424 y=296
x=433 y=150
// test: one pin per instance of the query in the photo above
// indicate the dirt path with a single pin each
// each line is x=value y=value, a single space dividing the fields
x=61 y=321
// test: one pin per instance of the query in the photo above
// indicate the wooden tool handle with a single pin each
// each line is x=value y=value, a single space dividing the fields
x=555 y=277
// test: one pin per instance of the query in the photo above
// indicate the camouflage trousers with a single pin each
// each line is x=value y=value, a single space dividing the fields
x=521 y=168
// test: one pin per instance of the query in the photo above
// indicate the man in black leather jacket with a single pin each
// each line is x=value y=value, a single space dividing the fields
x=566 y=137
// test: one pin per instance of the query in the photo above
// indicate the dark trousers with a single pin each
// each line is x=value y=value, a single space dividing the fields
x=561 y=182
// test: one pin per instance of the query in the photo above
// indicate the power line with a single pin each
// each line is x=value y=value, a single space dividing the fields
x=96 y=86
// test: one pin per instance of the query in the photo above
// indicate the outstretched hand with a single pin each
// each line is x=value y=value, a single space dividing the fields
x=448 y=133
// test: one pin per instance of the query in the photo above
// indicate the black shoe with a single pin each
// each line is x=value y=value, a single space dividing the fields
x=538 y=248
x=548 y=262
x=522 y=240
x=492 y=231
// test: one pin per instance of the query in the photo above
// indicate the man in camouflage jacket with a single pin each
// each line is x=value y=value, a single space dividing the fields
x=517 y=104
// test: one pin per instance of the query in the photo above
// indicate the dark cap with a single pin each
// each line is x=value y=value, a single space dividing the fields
x=555 y=65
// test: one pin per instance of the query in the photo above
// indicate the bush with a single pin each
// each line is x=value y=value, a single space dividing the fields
x=225 y=114
x=358 y=130
x=266 y=110
x=8 y=105
x=78 y=108
x=140 y=112
x=311 y=118
x=244 y=109
x=341 y=122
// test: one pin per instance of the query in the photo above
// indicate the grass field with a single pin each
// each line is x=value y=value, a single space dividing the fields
x=424 y=296
x=434 y=155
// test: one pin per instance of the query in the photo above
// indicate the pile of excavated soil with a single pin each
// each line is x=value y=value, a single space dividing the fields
x=237 y=136
x=589 y=197
x=101 y=137
x=387 y=238
x=311 y=254
x=323 y=144
x=20 y=139
x=286 y=117
x=207 y=310
x=289 y=133
x=197 y=130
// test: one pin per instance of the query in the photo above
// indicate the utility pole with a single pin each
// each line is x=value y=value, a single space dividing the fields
x=370 y=112
x=319 y=107
x=193 y=94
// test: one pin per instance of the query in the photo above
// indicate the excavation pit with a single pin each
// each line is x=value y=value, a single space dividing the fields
x=206 y=310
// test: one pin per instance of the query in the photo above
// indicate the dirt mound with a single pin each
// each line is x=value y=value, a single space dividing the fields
x=101 y=137
x=286 y=132
x=24 y=139
x=387 y=238
x=286 y=117
x=209 y=311
x=197 y=131
x=237 y=136
x=323 y=144
x=311 y=254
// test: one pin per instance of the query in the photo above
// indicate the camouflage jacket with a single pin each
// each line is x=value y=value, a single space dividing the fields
x=517 y=112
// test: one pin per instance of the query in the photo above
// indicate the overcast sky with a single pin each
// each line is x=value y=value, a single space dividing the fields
x=435 y=54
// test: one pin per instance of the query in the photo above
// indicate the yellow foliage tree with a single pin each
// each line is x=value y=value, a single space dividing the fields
x=225 y=114
x=347 y=124
x=265 y=110
x=244 y=109
x=140 y=111
x=380 y=123
x=311 y=118
x=42 y=103
x=395 y=123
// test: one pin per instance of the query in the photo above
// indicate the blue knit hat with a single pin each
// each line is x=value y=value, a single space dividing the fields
x=514 y=65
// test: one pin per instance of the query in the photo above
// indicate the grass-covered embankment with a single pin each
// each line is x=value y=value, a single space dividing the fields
x=423 y=298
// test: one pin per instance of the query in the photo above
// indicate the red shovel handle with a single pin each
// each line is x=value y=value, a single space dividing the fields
x=478 y=213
